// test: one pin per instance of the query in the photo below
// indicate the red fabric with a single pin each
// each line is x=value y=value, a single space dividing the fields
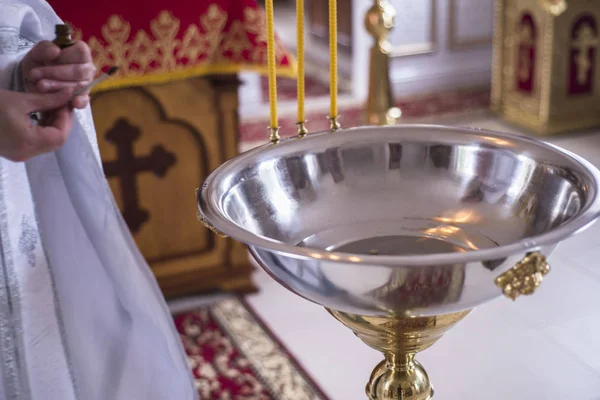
x=170 y=40
x=93 y=14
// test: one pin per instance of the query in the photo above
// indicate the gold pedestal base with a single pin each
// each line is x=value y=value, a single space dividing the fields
x=394 y=379
x=399 y=376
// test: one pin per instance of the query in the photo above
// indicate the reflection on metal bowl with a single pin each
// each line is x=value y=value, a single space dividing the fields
x=411 y=220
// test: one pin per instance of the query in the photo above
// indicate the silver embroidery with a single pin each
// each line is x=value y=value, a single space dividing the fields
x=11 y=329
x=11 y=42
x=24 y=43
x=28 y=240
x=57 y=308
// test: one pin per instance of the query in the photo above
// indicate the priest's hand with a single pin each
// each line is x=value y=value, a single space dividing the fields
x=47 y=68
x=20 y=138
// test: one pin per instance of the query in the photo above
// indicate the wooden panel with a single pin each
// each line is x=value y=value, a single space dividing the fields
x=158 y=143
x=164 y=195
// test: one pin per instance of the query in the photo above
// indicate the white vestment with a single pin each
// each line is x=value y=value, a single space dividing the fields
x=81 y=315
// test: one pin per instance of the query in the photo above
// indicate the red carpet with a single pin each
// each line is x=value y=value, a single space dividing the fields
x=234 y=356
x=416 y=107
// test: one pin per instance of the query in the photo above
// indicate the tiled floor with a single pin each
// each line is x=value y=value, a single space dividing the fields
x=546 y=346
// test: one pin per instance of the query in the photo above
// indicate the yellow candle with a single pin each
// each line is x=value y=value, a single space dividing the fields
x=271 y=62
x=300 y=56
x=333 y=61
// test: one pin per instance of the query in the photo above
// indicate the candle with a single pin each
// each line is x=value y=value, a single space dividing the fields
x=272 y=64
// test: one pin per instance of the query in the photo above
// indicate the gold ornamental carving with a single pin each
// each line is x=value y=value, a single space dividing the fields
x=159 y=56
x=586 y=40
x=546 y=64
x=208 y=225
x=525 y=41
x=555 y=7
x=525 y=277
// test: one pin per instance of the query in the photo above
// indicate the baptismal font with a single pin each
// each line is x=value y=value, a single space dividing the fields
x=398 y=231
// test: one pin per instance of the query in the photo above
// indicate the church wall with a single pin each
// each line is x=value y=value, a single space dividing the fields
x=437 y=44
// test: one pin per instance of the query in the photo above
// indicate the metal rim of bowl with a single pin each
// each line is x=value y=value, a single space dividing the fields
x=579 y=223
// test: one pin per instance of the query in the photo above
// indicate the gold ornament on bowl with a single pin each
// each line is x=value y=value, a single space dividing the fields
x=555 y=7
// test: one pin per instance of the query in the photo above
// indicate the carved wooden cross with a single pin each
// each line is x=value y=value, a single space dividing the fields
x=127 y=166
x=586 y=39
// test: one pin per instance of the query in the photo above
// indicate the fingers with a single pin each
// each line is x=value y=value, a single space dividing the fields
x=79 y=53
x=48 y=86
x=21 y=139
x=31 y=140
x=44 y=52
x=46 y=101
x=81 y=102
x=54 y=134
x=73 y=68
x=63 y=73
x=60 y=120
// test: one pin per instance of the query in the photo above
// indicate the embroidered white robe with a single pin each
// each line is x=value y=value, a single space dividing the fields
x=81 y=316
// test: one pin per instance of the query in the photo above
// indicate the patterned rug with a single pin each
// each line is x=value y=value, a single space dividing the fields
x=437 y=104
x=234 y=356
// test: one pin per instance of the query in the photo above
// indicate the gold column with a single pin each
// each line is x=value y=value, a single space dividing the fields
x=380 y=109
x=399 y=376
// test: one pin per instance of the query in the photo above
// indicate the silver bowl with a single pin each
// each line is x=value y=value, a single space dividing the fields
x=408 y=220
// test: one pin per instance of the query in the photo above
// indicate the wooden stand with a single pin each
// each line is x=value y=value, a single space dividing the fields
x=158 y=144
x=546 y=69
